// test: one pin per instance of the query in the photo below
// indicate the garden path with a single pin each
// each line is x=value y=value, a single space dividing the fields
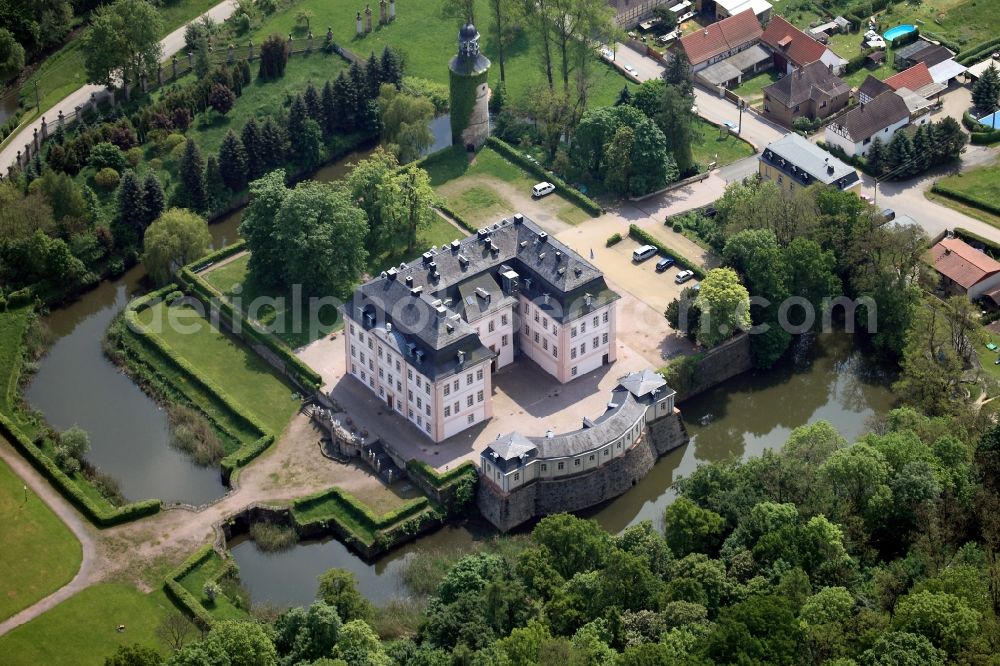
x=171 y=44
x=143 y=551
x=83 y=531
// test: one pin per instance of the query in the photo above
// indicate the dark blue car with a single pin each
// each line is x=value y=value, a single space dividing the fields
x=664 y=263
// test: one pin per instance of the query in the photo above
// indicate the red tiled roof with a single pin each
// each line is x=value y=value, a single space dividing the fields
x=962 y=263
x=721 y=36
x=797 y=46
x=913 y=78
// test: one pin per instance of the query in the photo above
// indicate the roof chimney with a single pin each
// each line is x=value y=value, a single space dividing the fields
x=388 y=327
x=461 y=357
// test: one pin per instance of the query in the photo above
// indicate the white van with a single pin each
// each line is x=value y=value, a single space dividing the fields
x=643 y=253
x=541 y=189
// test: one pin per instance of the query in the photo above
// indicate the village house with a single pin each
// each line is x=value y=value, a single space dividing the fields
x=426 y=336
x=877 y=118
x=966 y=271
x=812 y=91
x=791 y=48
x=720 y=42
x=793 y=162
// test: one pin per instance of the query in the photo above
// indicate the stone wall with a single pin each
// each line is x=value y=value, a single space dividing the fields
x=543 y=497
x=724 y=362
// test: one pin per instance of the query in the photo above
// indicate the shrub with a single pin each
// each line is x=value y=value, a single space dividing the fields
x=108 y=487
x=134 y=156
x=107 y=155
x=271 y=537
x=66 y=461
x=171 y=141
x=192 y=433
x=614 y=239
x=211 y=590
x=107 y=178
x=273 y=57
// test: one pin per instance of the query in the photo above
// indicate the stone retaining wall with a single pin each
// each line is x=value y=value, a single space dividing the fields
x=539 y=498
x=724 y=362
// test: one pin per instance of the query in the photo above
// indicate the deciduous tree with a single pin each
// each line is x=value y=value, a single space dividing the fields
x=175 y=239
x=123 y=40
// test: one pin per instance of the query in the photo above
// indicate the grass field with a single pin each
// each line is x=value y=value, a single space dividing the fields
x=428 y=41
x=752 y=89
x=712 y=145
x=39 y=554
x=235 y=368
x=63 y=71
x=194 y=582
x=81 y=631
x=982 y=182
x=466 y=188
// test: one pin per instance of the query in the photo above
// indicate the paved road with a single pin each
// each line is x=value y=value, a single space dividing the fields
x=73 y=520
x=171 y=44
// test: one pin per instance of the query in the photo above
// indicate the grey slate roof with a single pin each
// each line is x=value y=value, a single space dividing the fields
x=811 y=163
x=905 y=52
x=813 y=81
x=872 y=87
x=424 y=300
x=642 y=383
x=867 y=120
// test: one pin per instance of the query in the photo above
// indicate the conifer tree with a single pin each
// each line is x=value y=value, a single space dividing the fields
x=297 y=138
x=251 y=139
x=330 y=110
x=130 y=220
x=272 y=145
x=877 y=156
x=899 y=154
x=153 y=198
x=191 y=192
x=391 y=67
x=344 y=99
x=314 y=107
x=373 y=77
x=233 y=162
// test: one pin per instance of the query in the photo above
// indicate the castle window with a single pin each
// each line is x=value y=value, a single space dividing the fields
x=517 y=476
x=555 y=351
x=536 y=316
x=572 y=371
x=576 y=462
x=479 y=396
x=352 y=329
x=409 y=373
x=583 y=327
x=468 y=401
x=447 y=411
x=479 y=374
x=468 y=379
x=545 y=344
x=572 y=332
x=447 y=389
x=503 y=320
x=591 y=457
x=595 y=343
x=595 y=322
x=604 y=339
x=472 y=418
x=491 y=326
x=503 y=341
x=561 y=466
x=605 y=317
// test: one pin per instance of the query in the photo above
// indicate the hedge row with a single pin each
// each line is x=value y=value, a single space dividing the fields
x=646 y=238
x=965 y=197
x=101 y=514
x=355 y=509
x=440 y=479
x=302 y=373
x=947 y=43
x=966 y=235
x=245 y=453
x=459 y=220
x=974 y=53
x=566 y=190
x=980 y=133
x=219 y=255
x=181 y=596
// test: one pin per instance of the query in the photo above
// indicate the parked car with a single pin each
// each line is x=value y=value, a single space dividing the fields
x=683 y=277
x=664 y=263
x=889 y=214
x=643 y=253
x=630 y=69
x=541 y=189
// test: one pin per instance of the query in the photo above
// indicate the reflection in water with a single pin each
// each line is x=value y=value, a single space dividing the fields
x=289 y=577
x=77 y=385
x=8 y=104
x=825 y=379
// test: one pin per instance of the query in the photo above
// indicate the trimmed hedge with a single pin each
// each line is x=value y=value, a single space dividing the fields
x=461 y=221
x=219 y=255
x=101 y=514
x=179 y=593
x=245 y=453
x=437 y=479
x=980 y=133
x=974 y=53
x=301 y=373
x=571 y=193
x=357 y=511
x=646 y=238
x=613 y=239
x=966 y=198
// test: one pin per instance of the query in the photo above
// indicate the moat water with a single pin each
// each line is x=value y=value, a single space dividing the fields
x=826 y=378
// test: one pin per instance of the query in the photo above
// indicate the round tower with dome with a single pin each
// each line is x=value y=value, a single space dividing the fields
x=470 y=93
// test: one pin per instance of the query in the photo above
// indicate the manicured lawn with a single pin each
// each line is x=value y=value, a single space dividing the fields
x=233 y=366
x=428 y=43
x=751 y=89
x=262 y=98
x=63 y=72
x=982 y=182
x=39 y=554
x=848 y=45
x=194 y=582
x=713 y=145
x=439 y=232
x=965 y=22
x=82 y=631
x=468 y=192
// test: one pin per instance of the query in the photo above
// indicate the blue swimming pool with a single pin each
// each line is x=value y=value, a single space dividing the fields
x=898 y=31
x=992 y=120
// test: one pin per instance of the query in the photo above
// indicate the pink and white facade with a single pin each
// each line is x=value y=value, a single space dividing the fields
x=425 y=337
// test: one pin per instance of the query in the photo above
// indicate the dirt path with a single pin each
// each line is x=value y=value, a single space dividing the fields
x=73 y=520
x=142 y=552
